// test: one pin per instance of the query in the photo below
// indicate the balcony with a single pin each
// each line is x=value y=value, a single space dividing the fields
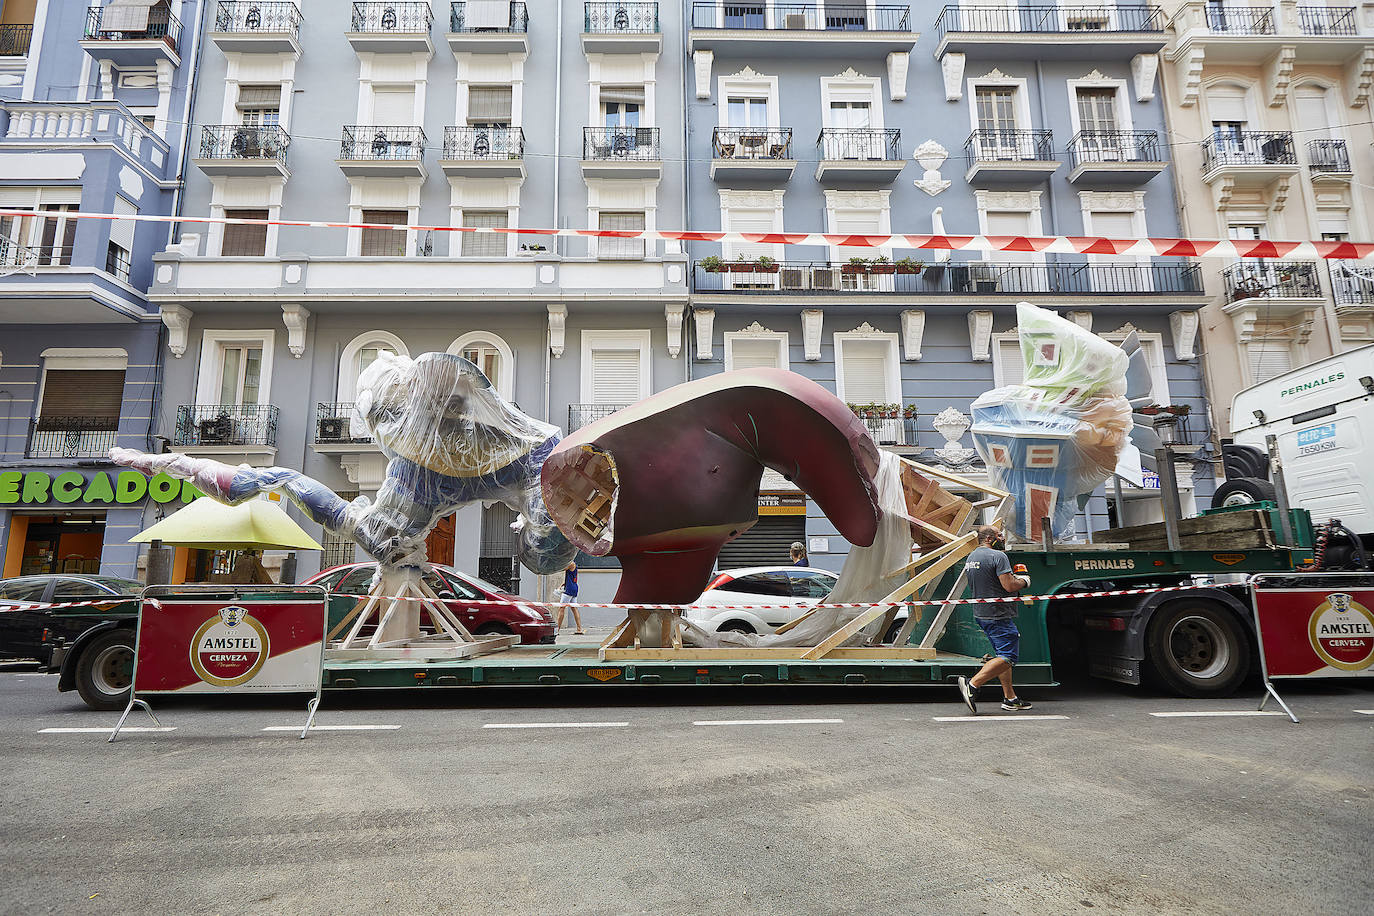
x=483 y=152
x=621 y=152
x=1260 y=35
x=1352 y=283
x=132 y=36
x=379 y=151
x=752 y=154
x=1167 y=280
x=621 y=28
x=1328 y=160
x=833 y=29
x=1271 y=280
x=1067 y=31
x=391 y=27
x=72 y=437
x=490 y=37
x=238 y=150
x=15 y=38
x=1010 y=155
x=1117 y=157
x=580 y=415
x=25 y=258
x=227 y=429
x=1249 y=157
x=103 y=122
x=257 y=27
x=865 y=155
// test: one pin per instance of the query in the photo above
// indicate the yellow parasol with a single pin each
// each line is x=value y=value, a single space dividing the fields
x=255 y=525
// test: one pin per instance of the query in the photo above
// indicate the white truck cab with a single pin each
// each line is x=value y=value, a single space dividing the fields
x=1322 y=418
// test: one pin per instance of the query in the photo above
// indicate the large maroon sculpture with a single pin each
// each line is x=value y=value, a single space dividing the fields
x=663 y=484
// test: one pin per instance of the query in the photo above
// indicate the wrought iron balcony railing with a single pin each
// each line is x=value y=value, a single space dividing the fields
x=1114 y=146
x=239 y=141
x=1353 y=283
x=484 y=143
x=612 y=143
x=335 y=424
x=832 y=16
x=392 y=17
x=1240 y=20
x=1327 y=20
x=607 y=18
x=24 y=257
x=14 y=39
x=968 y=278
x=1324 y=156
x=1105 y=18
x=860 y=143
x=361 y=141
x=457 y=20
x=257 y=16
x=1249 y=147
x=72 y=437
x=225 y=424
x=751 y=143
x=1272 y=280
x=106 y=25
x=580 y=415
x=985 y=145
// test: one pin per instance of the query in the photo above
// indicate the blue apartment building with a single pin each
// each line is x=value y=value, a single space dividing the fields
x=94 y=112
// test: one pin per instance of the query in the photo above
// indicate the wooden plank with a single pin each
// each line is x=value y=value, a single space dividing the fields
x=937 y=626
x=771 y=653
x=955 y=478
x=915 y=615
x=934 y=570
x=791 y=624
x=928 y=557
x=845 y=632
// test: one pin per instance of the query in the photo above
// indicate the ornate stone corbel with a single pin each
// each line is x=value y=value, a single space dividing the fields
x=1279 y=73
x=705 y=320
x=177 y=318
x=701 y=66
x=980 y=334
x=1281 y=189
x=811 y=333
x=913 y=329
x=295 y=318
x=558 y=322
x=1190 y=76
x=1144 y=68
x=1359 y=77
x=1183 y=327
x=673 y=311
x=952 y=68
x=1083 y=319
x=897 y=64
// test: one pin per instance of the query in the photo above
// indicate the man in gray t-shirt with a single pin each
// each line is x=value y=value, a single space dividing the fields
x=990 y=576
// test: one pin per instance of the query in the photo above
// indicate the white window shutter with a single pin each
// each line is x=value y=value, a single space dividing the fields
x=615 y=376
x=865 y=372
x=1269 y=359
x=750 y=221
x=1010 y=361
x=393 y=107
x=754 y=354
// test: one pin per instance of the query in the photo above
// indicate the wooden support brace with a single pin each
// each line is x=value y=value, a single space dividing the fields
x=792 y=624
x=845 y=632
x=937 y=626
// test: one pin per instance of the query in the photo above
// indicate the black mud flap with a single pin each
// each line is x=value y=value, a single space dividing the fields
x=1112 y=668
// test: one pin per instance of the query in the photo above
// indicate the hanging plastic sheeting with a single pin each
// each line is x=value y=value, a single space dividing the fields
x=863 y=579
x=451 y=440
x=1052 y=439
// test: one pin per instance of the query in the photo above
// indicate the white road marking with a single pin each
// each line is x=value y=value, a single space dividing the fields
x=331 y=728
x=1017 y=716
x=36 y=674
x=556 y=725
x=1365 y=712
x=1215 y=713
x=105 y=731
x=769 y=722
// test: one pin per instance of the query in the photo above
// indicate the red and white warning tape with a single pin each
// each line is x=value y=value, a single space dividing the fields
x=988 y=244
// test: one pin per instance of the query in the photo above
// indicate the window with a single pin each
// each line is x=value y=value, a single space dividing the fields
x=240 y=378
x=76 y=589
x=615 y=366
x=770 y=583
x=485 y=244
x=489 y=106
x=1097 y=110
x=485 y=357
x=995 y=109
x=24 y=590
x=1269 y=358
x=866 y=372
x=259 y=106
x=750 y=219
x=492 y=355
x=621 y=106
x=743 y=16
x=118 y=261
x=244 y=241
x=747 y=111
x=394 y=106
x=384 y=243
x=806 y=584
x=754 y=349
x=91 y=397
x=614 y=249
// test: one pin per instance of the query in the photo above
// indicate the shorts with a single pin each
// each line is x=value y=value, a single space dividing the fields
x=565 y=598
x=1005 y=638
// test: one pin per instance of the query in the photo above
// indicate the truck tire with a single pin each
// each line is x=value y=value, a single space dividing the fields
x=104 y=672
x=1196 y=648
x=1243 y=491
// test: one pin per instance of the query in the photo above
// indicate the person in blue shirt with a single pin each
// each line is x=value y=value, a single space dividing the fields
x=798 y=552
x=990 y=576
x=568 y=601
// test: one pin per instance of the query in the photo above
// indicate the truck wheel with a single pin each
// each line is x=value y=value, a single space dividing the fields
x=105 y=670
x=1197 y=649
x=1242 y=491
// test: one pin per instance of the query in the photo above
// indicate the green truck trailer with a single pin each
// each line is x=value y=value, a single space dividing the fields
x=1182 y=620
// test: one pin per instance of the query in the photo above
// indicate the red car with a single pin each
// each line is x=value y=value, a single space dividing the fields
x=511 y=615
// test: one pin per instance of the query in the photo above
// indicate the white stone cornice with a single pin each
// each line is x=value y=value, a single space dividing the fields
x=704 y=320
x=177 y=318
x=673 y=311
x=913 y=330
x=558 y=322
x=812 y=319
x=295 y=318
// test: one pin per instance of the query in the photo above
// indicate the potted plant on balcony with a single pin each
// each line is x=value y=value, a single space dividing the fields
x=741 y=266
x=855 y=266
x=881 y=265
x=712 y=264
x=909 y=412
x=910 y=266
x=767 y=265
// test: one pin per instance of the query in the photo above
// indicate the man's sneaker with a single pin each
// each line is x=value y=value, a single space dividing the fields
x=969 y=693
x=1015 y=704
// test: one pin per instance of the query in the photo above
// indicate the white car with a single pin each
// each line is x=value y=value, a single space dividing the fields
x=770 y=595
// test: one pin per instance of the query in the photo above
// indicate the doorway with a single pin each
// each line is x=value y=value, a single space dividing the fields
x=67 y=543
x=440 y=542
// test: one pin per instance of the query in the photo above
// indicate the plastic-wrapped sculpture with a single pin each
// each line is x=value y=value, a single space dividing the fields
x=1068 y=426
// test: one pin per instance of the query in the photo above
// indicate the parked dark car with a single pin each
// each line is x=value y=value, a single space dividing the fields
x=511 y=615
x=30 y=625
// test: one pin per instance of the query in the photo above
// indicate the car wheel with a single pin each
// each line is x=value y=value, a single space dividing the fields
x=493 y=629
x=891 y=635
x=105 y=670
x=734 y=626
x=1242 y=491
x=1197 y=649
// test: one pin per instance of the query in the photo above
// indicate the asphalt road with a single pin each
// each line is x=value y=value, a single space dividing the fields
x=875 y=806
